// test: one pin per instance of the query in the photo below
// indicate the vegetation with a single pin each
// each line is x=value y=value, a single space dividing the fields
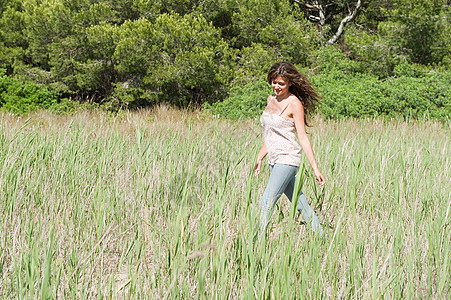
x=347 y=91
x=137 y=53
x=245 y=102
x=162 y=204
x=21 y=97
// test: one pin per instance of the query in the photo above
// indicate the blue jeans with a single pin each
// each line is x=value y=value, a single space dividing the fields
x=281 y=181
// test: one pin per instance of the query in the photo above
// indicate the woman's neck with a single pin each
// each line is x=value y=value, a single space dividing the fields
x=280 y=98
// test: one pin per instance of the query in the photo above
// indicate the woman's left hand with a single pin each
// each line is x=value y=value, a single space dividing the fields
x=319 y=178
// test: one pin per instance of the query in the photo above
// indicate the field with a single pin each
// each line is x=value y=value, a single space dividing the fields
x=161 y=204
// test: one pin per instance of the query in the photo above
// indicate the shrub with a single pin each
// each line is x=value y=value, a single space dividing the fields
x=327 y=59
x=347 y=93
x=426 y=97
x=363 y=95
x=244 y=102
x=344 y=95
x=21 y=97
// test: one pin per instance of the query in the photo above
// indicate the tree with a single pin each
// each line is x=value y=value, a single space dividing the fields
x=12 y=41
x=335 y=13
x=420 y=29
x=402 y=31
x=176 y=59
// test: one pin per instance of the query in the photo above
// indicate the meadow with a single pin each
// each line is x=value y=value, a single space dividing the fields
x=161 y=204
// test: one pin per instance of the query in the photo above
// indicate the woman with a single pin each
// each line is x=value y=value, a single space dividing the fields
x=284 y=116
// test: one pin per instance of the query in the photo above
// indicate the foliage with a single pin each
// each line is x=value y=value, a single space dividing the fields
x=412 y=93
x=328 y=14
x=327 y=59
x=363 y=95
x=421 y=29
x=245 y=102
x=375 y=53
x=176 y=59
x=407 y=31
x=22 y=97
x=425 y=97
x=135 y=53
x=275 y=25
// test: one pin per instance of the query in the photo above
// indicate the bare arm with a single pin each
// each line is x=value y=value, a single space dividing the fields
x=298 y=116
x=263 y=151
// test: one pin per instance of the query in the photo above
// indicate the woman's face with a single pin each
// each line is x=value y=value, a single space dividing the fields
x=280 y=86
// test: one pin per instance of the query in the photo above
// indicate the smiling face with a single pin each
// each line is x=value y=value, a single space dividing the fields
x=280 y=86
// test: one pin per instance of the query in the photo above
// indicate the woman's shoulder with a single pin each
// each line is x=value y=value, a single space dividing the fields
x=294 y=101
x=295 y=104
x=270 y=97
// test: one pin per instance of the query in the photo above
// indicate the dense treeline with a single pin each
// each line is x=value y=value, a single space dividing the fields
x=129 y=53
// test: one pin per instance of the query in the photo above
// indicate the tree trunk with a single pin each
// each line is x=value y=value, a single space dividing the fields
x=343 y=22
x=321 y=7
x=321 y=11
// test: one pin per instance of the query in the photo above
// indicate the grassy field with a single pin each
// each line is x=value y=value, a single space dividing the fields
x=161 y=204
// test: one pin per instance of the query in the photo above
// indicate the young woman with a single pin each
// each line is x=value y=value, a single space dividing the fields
x=284 y=116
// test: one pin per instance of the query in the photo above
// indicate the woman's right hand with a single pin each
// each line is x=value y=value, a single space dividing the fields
x=261 y=154
x=258 y=166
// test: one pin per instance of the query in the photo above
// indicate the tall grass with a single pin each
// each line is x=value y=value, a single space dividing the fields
x=162 y=204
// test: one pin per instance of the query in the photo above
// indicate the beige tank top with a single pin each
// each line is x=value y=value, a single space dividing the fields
x=280 y=139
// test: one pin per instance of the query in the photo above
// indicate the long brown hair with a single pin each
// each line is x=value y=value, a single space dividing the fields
x=300 y=86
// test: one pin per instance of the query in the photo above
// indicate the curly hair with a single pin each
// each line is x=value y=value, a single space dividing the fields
x=300 y=86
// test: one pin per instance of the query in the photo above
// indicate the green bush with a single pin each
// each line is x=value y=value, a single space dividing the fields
x=327 y=59
x=244 y=102
x=426 y=97
x=21 y=97
x=347 y=93
x=344 y=95
x=362 y=95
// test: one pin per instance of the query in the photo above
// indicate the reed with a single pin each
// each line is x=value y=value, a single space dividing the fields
x=161 y=203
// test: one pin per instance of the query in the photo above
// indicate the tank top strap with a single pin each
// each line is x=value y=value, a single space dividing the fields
x=270 y=100
x=285 y=107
